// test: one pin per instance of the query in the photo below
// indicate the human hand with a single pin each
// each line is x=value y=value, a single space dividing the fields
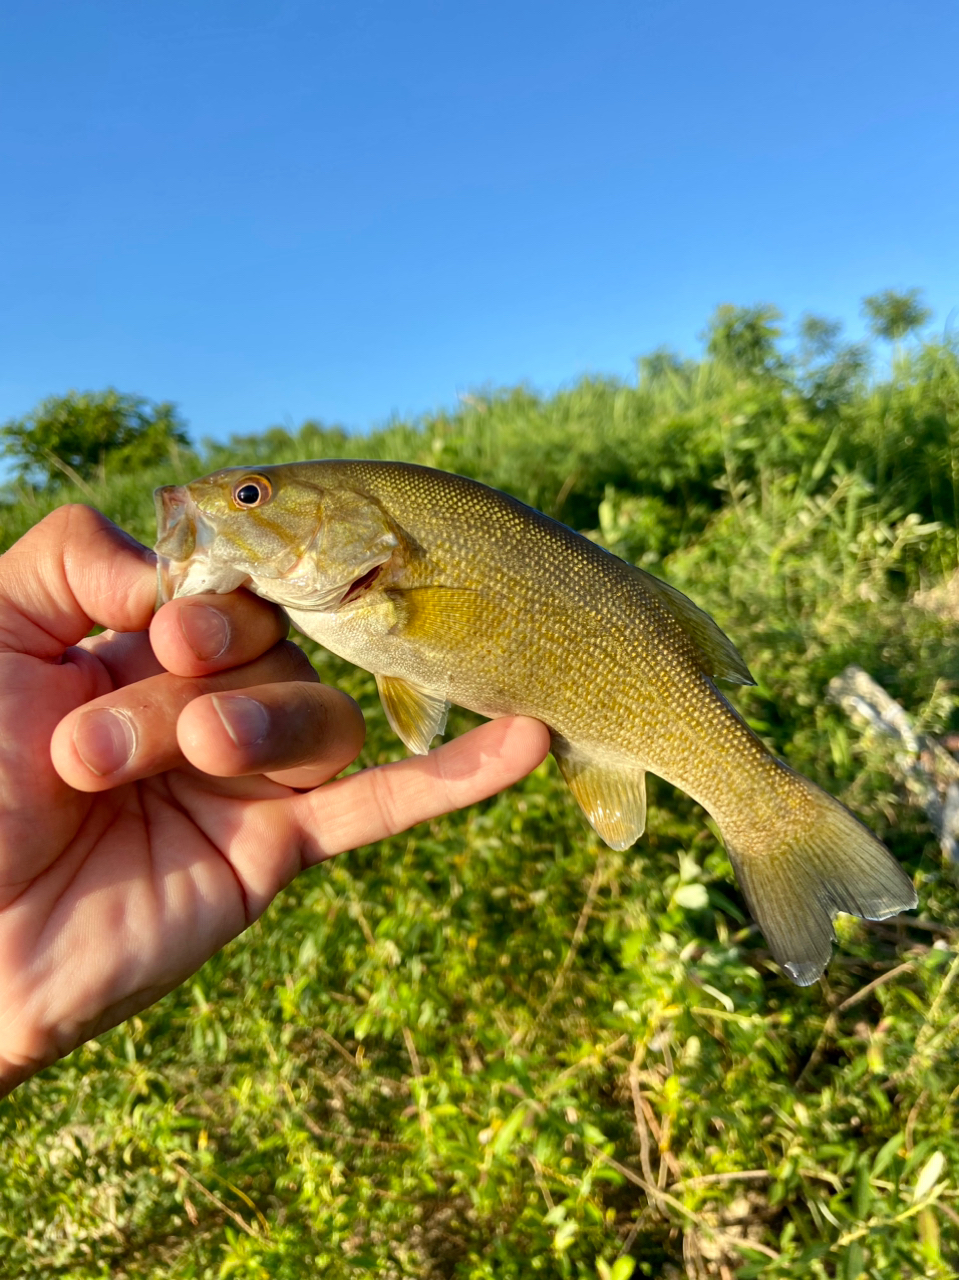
x=138 y=834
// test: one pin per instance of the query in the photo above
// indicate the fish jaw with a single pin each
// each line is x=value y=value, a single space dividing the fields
x=185 y=566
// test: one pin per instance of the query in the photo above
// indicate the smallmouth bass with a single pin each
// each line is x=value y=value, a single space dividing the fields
x=451 y=592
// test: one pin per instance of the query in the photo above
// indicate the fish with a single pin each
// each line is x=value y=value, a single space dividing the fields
x=449 y=591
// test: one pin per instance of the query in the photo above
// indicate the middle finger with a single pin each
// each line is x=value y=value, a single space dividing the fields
x=132 y=733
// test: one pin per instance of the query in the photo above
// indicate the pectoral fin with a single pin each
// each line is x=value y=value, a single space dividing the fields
x=415 y=716
x=458 y=614
x=613 y=800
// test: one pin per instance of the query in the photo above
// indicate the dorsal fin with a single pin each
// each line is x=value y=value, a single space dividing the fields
x=719 y=656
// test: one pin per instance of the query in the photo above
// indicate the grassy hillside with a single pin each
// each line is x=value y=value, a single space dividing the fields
x=493 y=1048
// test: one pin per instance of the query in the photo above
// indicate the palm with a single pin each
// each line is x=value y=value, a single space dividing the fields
x=140 y=883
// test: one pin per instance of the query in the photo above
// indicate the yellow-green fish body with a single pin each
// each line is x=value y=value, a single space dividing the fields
x=451 y=592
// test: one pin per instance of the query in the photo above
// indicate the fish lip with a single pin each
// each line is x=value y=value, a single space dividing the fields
x=183 y=535
x=170 y=501
x=176 y=516
x=172 y=513
x=164 y=583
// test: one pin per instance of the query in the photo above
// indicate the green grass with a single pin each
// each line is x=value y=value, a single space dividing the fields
x=491 y=1047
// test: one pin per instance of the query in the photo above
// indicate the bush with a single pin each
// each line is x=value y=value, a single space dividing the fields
x=77 y=436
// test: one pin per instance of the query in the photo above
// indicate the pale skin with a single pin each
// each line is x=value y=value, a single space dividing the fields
x=134 y=845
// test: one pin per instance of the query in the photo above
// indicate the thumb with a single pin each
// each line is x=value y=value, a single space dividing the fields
x=73 y=570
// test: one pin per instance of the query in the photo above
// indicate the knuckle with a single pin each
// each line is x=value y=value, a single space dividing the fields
x=445 y=773
x=300 y=667
x=76 y=517
x=287 y=664
x=65 y=526
x=384 y=801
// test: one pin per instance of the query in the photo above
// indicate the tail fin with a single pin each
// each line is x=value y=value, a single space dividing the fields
x=796 y=883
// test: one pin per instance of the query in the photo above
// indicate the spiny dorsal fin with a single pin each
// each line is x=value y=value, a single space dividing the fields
x=720 y=657
x=415 y=716
x=613 y=800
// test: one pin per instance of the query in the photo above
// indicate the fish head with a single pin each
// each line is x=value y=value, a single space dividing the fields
x=278 y=530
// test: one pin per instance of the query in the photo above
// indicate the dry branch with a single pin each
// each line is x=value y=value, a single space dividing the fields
x=930 y=773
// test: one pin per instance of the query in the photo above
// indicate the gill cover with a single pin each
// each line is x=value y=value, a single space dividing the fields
x=352 y=538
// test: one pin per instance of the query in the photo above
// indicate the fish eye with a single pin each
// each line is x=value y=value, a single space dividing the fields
x=254 y=491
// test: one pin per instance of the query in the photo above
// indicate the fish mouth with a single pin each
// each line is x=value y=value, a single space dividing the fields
x=184 y=541
x=176 y=537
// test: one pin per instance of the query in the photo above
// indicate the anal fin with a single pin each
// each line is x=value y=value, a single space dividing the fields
x=613 y=800
x=415 y=715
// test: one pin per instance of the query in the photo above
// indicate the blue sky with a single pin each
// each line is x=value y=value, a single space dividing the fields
x=273 y=211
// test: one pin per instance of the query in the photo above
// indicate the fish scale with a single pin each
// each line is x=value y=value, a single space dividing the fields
x=451 y=592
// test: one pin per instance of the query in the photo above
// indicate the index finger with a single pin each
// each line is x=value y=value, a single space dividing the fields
x=200 y=635
x=279 y=837
x=374 y=803
x=73 y=570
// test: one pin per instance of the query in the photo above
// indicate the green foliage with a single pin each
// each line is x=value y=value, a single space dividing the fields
x=75 y=437
x=831 y=373
x=489 y=1048
x=745 y=338
x=892 y=315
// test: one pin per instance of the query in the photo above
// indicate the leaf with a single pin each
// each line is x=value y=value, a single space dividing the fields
x=565 y=1236
x=886 y=1153
x=693 y=897
x=721 y=996
x=633 y=944
x=508 y=1130
x=855 y=1261
x=862 y=1191
x=622 y=1269
x=593 y=1135
x=928 y=1176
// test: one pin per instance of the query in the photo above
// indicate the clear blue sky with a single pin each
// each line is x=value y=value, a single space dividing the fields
x=268 y=211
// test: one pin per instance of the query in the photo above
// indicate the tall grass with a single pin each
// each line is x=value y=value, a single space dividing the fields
x=493 y=1048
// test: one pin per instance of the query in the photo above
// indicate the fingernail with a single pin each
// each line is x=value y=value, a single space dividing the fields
x=245 y=719
x=104 y=740
x=205 y=630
